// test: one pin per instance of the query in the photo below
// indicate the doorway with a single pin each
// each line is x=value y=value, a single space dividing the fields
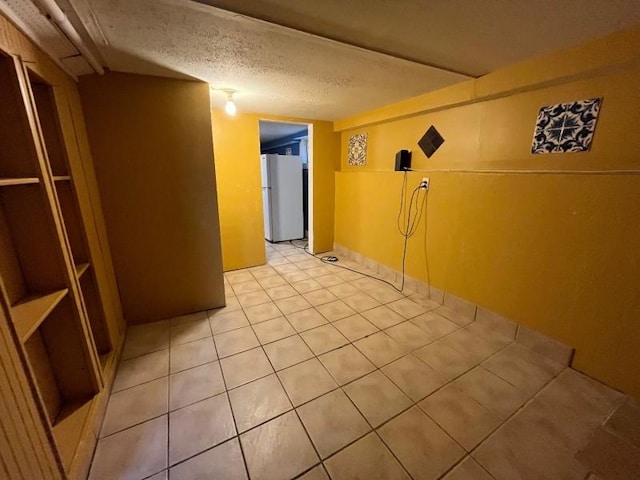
x=286 y=156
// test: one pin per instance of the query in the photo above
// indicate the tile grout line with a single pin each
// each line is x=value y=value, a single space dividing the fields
x=316 y=356
x=375 y=431
x=466 y=456
x=502 y=422
x=233 y=419
x=340 y=387
x=292 y=365
x=511 y=416
x=415 y=404
x=314 y=398
x=169 y=399
x=294 y=408
x=168 y=391
x=208 y=449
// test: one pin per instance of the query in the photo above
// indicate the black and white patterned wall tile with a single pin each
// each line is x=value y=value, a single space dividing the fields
x=566 y=127
x=358 y=149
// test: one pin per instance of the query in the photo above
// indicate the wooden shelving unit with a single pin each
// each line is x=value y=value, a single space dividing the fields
x=46 y=275
x=63 y=183
x=7 y=182
x=81 y=268
x=31 y=311
x=67 y=429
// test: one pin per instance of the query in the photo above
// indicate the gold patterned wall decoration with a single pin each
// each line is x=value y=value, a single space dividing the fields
x=358 y=149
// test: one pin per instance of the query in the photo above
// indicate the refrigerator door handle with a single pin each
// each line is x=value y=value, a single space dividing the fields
x=270 y=214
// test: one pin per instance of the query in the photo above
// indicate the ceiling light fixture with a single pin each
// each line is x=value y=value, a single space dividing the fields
x=230 y=106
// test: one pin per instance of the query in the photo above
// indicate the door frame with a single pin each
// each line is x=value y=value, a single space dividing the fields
x=310 y=170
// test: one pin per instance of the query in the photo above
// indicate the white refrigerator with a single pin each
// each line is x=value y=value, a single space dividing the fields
x=282 y=197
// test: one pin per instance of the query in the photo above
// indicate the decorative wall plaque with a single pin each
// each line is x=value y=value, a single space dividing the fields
x=358 y=149
x=566 y=127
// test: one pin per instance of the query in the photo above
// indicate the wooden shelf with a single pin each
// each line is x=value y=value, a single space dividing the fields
x=57 y=318
x=95 y=313
x=68 y=428
x=72 y=221
x=81 y=268
x=8 y=182
x=19 y=155
x=104 y=360
x=30 y=312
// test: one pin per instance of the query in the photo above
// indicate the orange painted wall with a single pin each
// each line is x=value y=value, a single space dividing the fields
x=236 y=144
x=547 y=240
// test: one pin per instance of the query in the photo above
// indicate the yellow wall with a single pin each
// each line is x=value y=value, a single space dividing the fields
x=236 y=145
x=151 y=141
x=550 y=241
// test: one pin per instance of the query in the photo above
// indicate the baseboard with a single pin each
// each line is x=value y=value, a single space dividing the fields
x=463 y=310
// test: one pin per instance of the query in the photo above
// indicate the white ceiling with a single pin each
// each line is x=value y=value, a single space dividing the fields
x=274 y=130
x=333 y=58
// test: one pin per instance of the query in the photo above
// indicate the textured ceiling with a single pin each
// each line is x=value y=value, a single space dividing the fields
x=273 y=70
x=470 y=36
x=274 y=130
x=332 y=58
x=46 y=32
x=29 y=16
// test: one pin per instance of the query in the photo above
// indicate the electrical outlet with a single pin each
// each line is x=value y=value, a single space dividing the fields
x=424 y=184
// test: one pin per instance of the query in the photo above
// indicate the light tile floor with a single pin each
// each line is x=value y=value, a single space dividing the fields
x=315 y=372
